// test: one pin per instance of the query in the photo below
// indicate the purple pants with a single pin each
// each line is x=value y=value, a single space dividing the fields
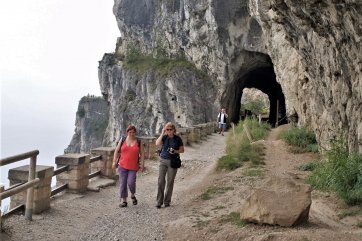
x=126 y=177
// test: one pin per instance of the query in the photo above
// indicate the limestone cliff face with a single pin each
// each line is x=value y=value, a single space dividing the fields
x=91 y=122
x=305 y=55
x=315 y=47
x=148 y=100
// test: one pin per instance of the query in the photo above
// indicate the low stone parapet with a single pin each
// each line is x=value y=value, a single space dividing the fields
x=203 y=133
x=212 y=127
x=77 y=175
x=183 y=136
x=194 y=135
x=105 y=164
x=42 y=192
x=149 y=145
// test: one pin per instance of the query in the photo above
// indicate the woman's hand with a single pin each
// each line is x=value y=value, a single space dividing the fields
x=114 y=165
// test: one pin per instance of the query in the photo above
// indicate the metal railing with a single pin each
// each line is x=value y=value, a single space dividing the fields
x=29 y=185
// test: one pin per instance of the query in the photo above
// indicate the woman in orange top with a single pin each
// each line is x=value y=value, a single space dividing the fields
x=131 y=153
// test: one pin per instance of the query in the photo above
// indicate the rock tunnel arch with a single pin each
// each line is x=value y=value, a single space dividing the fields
x=261 y=76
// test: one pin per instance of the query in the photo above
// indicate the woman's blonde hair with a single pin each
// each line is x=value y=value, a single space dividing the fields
x=169 y=125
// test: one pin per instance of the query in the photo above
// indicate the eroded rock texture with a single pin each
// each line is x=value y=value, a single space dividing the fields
x=90 y=125
x=304 y=54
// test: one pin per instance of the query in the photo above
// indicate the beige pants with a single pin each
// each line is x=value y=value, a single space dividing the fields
x=166 y=178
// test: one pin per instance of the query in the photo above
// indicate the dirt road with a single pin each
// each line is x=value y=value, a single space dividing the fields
x=96 y=215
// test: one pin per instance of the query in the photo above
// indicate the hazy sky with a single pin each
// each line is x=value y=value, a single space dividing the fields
x=49 y=53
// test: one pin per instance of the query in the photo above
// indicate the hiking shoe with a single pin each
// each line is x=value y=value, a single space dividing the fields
x=134 y=200
x=123 y=205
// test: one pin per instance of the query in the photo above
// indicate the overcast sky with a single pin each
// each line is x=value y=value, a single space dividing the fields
x=49 y=53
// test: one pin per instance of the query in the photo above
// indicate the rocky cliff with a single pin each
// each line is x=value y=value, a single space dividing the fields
x=305 y=55
x=91 y=122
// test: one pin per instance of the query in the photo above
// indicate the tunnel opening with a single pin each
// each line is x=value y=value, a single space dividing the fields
x=254 y=104
x=262 y=78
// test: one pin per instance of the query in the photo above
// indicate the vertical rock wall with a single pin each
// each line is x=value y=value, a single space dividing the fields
x=313 y=47
x=316 y=50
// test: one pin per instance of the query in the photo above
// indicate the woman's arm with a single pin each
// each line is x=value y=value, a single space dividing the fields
x=180 y=150
x=116 y=154
x=142 y=156
x=159 y=139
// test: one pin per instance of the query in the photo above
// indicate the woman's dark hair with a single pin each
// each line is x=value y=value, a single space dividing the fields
x=131 y=127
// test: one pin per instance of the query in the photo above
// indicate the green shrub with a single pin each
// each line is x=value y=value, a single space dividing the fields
x=163 y=66
x=228 y=162
x=307 y=167
x=301 y=139
x=253 y=172
x=256 y=106
x=212 y=191
x=340 y=172
x=133 y=54
x=239 y=149
x=359 y=224
x=81 y=112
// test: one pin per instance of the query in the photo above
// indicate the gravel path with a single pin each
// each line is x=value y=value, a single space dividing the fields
x=96 y=215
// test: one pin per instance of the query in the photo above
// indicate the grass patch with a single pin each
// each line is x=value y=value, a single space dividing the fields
x=253 y=172
x=359 y=224
x=233 y=217
x=163 y=66
x=301 y=140
x=228 y=162
x=218 y=208
x=307 y=167
x=350 y=212
x=212 y=191
x=201 y=223
x=340 y=172
x=239 y=149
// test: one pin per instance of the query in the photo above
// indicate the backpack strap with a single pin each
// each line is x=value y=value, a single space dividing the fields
x=123 y=138
x=139 y=149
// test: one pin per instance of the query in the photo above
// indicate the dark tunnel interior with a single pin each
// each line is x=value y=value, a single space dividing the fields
x=264 y=79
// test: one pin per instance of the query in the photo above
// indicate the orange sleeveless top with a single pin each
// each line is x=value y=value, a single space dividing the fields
x=129 y=156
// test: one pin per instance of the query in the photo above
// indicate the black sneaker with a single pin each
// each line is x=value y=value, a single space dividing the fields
x=167 y=205
x=158 y=206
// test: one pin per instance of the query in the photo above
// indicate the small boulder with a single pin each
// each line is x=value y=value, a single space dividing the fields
x=279 y=201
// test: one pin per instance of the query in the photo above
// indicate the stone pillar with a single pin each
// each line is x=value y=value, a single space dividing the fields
x=149 y=145
x=77 y=175
x=105 y=164
x=42 y=192
x=2 y=188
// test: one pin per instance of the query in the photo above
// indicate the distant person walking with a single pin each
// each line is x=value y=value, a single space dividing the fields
x=171 y=145
x=221 y=119
x=127 y=155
